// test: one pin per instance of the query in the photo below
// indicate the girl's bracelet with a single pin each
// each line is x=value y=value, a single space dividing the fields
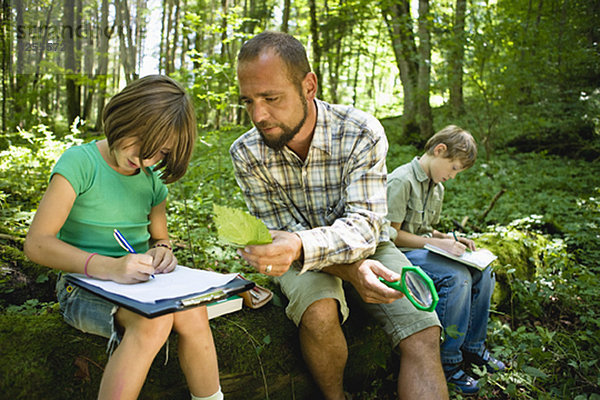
x=86 y=264
x=162 y=245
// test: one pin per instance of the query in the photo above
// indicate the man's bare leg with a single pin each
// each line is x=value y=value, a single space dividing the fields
x=324 y=347
x=421 y=375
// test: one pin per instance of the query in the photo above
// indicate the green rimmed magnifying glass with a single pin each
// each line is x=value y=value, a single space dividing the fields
x=417 y=287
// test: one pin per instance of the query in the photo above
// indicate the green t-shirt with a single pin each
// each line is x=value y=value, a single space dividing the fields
x=107 y=200
x=413 y=199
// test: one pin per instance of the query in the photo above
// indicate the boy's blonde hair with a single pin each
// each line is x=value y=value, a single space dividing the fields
x=156 y=110
x=460 y=145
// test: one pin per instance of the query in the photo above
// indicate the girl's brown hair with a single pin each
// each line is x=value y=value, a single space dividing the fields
x=156 y=110
x=460 y=145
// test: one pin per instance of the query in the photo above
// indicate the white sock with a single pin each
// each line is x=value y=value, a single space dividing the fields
x=216 y=396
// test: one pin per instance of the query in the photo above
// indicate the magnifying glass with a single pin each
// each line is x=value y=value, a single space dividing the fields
x=417 y=287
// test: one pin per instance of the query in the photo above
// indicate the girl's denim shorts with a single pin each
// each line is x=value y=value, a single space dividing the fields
x=86 y=311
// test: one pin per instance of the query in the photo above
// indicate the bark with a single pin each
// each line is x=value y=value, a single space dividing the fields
x=102 y=69
x=456 y=61
x=127 y=45
x=399 y=22
x=70 y=66
x=316 y=47
x=424 y=115
x=286 y=15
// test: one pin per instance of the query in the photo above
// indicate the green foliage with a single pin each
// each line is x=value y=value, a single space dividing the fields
x=544 y=228
x=238 y=228
x=25 y=170
x=32 y=307
x=528 y=79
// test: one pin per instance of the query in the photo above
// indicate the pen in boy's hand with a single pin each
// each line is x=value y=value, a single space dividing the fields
x=467 y=249
x=125 y=244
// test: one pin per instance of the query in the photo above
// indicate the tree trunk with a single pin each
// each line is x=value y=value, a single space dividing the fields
x=88 y=68
x=167 y=12
x=19 y=88
x=456 y=61
x=102 y=69
x=316 y=47
x=286 y=15
x=172 y=48
x=163 y=37
x=128 y=46
x=6 y=59
x=185 y=42
x=424 y=115
x=78 y=40
x=34 y=92
x=70 y=66
x=399 y=23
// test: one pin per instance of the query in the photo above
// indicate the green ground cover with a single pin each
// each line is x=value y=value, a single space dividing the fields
x=544 y=224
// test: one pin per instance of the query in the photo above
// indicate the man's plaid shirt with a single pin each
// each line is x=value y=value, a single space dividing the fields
x=335 y=200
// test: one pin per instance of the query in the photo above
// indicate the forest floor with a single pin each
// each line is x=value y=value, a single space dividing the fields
x=539 y=213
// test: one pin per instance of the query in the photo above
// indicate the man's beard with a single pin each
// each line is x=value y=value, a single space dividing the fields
x=288 y=134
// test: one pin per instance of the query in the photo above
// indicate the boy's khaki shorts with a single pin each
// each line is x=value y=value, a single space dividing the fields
x=399 y=319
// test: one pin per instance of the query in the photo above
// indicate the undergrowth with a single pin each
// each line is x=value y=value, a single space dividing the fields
x=550 y=333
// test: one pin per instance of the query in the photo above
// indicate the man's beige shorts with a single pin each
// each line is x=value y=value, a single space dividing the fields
x=399 y=319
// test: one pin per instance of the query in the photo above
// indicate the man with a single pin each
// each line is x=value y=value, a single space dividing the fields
x=315 y=174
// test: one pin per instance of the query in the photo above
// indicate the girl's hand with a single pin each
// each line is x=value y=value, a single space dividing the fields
x=133 y=268
x=163 y=259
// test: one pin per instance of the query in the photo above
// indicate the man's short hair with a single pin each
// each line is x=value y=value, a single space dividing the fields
x=291 y=51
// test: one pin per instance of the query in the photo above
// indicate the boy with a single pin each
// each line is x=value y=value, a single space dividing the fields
x=415 y=194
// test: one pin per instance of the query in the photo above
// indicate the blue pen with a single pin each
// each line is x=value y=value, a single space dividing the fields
x=124 y=243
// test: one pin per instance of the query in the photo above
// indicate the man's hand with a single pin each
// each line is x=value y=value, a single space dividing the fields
x=364 y=276
x=276 y=257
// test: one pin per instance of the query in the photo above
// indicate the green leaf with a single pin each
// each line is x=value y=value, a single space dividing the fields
x=453 y=332
x=239 y=228
x=536 y=373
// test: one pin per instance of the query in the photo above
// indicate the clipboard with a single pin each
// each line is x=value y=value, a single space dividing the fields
x=167 y=306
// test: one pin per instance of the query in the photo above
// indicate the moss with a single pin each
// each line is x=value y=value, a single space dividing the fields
x=40 y=355
x=521 y=256
x=259 y=354
x=21 y=279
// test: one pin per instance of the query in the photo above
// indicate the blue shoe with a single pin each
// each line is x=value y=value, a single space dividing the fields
x=486 y=360
x=463 y=383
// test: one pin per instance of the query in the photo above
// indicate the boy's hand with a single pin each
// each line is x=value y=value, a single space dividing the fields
x=453 y=247
x=467 y=242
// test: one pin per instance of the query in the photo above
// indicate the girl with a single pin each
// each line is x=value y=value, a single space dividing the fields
x=113 y=183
